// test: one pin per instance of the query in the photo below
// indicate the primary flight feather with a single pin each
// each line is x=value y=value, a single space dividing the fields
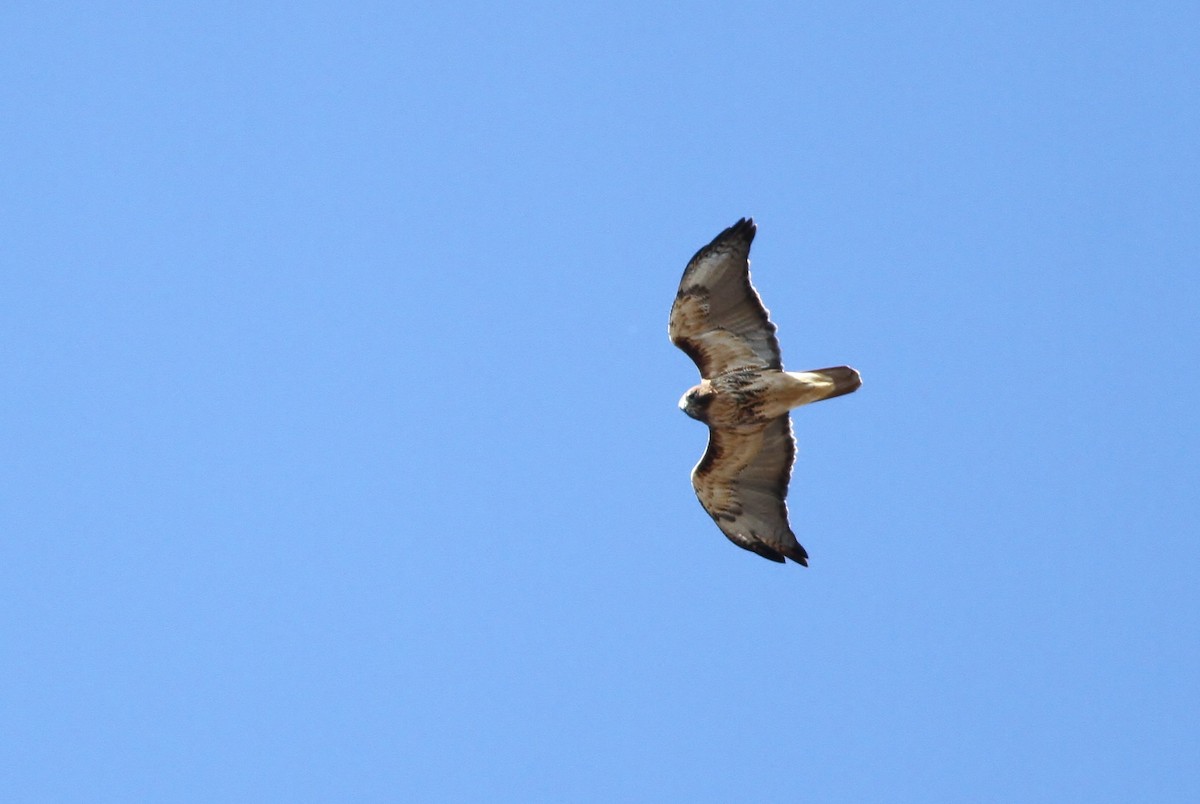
x=744 y=396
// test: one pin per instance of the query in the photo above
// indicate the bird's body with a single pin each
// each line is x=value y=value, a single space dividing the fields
x=752 y=397
x=744 y=396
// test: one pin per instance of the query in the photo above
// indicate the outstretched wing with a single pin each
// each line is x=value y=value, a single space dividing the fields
x=742 y=481
x=718 y=318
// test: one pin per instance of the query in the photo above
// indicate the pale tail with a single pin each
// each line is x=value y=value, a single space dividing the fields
x=845 y=380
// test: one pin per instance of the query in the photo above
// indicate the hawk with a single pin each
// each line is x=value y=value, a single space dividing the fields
x=744 y=396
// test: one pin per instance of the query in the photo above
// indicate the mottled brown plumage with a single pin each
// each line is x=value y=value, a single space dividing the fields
x=744 y=396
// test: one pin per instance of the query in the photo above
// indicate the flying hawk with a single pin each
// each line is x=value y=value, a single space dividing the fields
x=744 y=396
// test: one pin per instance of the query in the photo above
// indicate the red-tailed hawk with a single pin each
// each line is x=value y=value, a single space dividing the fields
x=744 y=396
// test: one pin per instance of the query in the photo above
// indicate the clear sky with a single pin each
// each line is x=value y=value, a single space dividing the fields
x=341 y=458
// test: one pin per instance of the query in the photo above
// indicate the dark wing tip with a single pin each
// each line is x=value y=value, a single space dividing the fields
x=798 y=555
x=764 y=551
x=743 y=230
x=778 y=555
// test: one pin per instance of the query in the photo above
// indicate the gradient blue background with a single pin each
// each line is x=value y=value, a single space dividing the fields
x=341 y=459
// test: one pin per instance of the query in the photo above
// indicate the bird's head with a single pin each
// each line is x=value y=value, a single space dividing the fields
x=696 y=402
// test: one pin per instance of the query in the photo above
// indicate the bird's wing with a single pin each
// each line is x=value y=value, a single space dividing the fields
x=718 y=318
x=742 y=481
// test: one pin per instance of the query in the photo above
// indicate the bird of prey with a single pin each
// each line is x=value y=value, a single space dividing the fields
x=744 y=396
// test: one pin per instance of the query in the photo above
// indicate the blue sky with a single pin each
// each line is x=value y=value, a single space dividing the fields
x=342 y=458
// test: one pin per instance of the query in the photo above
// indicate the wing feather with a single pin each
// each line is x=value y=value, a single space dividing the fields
x=718 y=318
x=742 y=481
